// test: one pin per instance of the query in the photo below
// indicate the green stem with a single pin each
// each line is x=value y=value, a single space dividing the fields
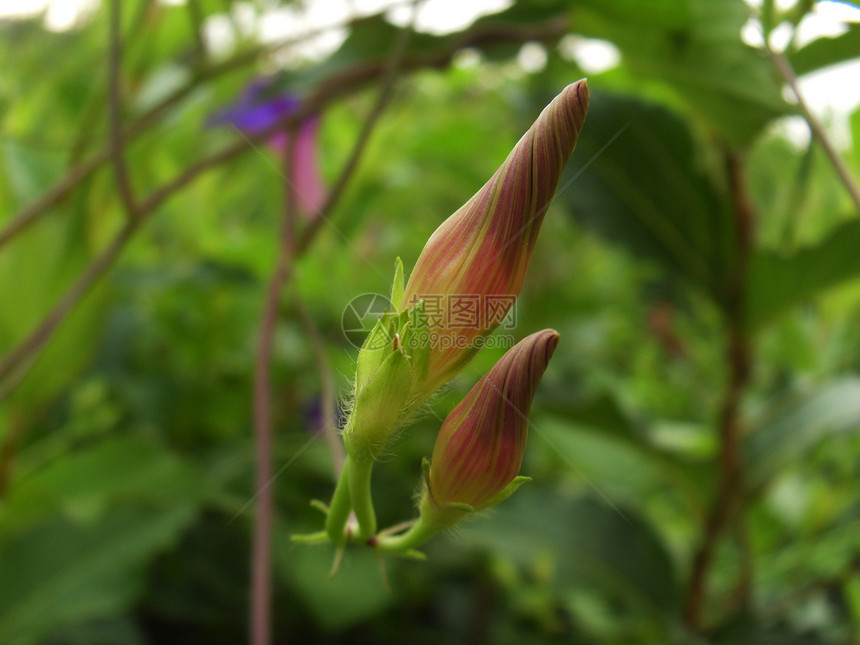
x=362 y=502
x=431 y=520
x=419 y=533
x=320 y=537
x=341 y=505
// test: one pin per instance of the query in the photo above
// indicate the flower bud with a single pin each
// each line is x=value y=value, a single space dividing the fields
x=478 y=257
x=480 y=446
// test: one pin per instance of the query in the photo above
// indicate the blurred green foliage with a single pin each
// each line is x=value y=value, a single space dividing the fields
x=126 y=455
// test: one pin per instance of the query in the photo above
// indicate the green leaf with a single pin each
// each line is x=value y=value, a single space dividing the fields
x=35 y=271
x=26 y=171
x=778 y=282
x=64 y=573
x=595 y=545
x=639 y=182
x=749 y=630
x=693 y=47
x=824 y=552
x=851 y=590
x=794 y=424
x=601 y=412
x=624 y=465
x=823 y=52
x=84 y=484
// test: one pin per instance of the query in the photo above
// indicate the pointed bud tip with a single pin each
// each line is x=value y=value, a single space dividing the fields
x=545 y=341
x=575 y=96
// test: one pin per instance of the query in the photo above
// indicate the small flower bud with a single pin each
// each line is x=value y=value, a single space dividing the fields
x=480 y=446
x=483 y=249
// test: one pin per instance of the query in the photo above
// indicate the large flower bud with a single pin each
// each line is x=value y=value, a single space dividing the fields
x=473 y=266
x=480 y=446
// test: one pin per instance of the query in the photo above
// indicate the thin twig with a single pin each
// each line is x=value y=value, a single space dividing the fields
x=728 y=504
x=27 y=216
x=93 y=114
x=328 y=397
x=29 y=348
x=784 y=68
x=117 y=145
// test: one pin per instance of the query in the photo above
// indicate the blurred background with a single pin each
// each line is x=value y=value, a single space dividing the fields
x=694 y=446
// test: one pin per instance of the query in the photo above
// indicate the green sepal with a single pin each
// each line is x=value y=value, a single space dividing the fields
x=509 y=490
x=425 y=472
x=335 y=565
x=414 y=554
x=398 y=288
x=320 y=537
x=380 y=398
x=460 y=506
x=371 y=354
x=320 y=505
x=387 y=372
x=376 y=348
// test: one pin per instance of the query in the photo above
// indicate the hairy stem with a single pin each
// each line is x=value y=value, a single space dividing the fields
x=417 y=535
x=362 y=502
x=340 y=507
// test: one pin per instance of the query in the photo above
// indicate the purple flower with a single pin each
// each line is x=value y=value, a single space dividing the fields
x=260 y=107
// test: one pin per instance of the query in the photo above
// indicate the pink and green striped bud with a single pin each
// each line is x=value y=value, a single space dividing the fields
x=472 y=268
x=480 y=446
